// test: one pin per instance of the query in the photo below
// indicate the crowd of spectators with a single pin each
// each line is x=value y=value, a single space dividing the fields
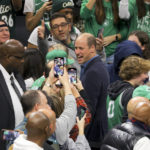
x=104 y=103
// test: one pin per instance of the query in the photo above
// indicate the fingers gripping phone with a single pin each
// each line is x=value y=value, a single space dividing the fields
x=100 y=31
x=81 y=111
x=9 y=135
x=72 y=72
x=58 y=66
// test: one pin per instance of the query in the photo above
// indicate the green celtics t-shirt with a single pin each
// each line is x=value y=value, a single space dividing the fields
x=38 y=83
x=114 y=111
x=7 y=14
x=136 y=23
x=38 y=4
x=92 y=26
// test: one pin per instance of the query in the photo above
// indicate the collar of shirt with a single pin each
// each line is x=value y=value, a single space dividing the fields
x=140 y=124
x=5 y=73
x=86 y=63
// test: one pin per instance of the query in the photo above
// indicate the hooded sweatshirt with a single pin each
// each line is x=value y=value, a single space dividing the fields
x=119 y=93
x=123 y=50
x=21 y=143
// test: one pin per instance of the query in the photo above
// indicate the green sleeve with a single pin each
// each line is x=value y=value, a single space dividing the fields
x=85 y=13
x=132 y=4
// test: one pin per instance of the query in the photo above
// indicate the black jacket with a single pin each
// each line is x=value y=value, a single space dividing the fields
x=123 y=50
x=7 y=117
x=95 y=81
x=116 y=88
x=123 y=137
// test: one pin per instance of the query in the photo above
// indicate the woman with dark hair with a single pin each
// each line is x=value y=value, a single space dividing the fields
x=102 y=15
x=34 y=64
x=138 y=14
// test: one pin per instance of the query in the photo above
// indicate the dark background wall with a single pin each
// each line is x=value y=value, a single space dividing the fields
x=21 y=33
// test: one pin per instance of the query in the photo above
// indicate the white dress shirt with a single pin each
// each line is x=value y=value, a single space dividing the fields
x=18 y=111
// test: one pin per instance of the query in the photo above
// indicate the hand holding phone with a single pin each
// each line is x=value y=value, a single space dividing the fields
x=9 y=135
x=100 y=32
x=81 y=111
x=72 y=72
x=58 y=66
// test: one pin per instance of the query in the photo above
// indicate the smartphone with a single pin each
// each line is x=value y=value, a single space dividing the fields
x=100 y=31
x=72 y=72
x=9 y=135
x=81 y=111
x=58 y=66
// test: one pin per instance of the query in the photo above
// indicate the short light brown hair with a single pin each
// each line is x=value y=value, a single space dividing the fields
x=133 y=66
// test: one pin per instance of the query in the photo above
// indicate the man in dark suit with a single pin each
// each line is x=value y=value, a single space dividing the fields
x=95 y=81
x=11 y=85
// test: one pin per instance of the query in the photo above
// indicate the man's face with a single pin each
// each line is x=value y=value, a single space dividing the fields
x=68 y=12
x=14 y=59
x=60 y=29
x=43 y=104
x=82 y=50
x=141 y=78
x=4 y=33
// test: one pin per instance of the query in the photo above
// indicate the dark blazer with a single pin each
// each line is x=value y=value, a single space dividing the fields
x=7 y=117
x=95 y=81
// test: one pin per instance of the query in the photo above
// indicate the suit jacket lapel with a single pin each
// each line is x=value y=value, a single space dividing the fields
x=20 y=81
x=5 y=89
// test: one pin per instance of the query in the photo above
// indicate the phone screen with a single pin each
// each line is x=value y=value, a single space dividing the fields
x=72 y=72
x=81 y=111
x=58 y=66
x=100 y=31
x=9 y=135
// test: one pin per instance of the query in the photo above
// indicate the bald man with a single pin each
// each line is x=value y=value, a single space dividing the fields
x=51 y=116
x=40 y=126
x=11 y=85
x=127 y=135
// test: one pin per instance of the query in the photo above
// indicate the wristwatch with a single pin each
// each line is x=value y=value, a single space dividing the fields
x=117 y=38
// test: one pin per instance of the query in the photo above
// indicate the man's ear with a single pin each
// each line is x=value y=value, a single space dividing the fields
x=47 y=131
x=143 y=47
x=92 y=49
x=36 y=107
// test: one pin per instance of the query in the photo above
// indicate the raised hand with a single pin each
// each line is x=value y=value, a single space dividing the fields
x=41 y=30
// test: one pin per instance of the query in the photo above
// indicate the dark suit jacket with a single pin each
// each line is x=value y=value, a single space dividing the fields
x=7 y=117
x=95 y=81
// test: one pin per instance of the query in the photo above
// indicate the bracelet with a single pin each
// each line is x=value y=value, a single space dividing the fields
x=117 y=37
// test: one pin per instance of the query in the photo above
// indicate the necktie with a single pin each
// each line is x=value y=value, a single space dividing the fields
x=15 y=87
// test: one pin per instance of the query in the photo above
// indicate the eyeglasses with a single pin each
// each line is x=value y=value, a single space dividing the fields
x=18 y=57
x=62 y=25
x=1 y=30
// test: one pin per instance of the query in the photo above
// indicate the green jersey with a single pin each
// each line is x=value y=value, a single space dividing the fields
x=8 y=15
x=38 y=83
x=136 y=23
x=92 y=26
x=38 y=4
x=114 y=111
